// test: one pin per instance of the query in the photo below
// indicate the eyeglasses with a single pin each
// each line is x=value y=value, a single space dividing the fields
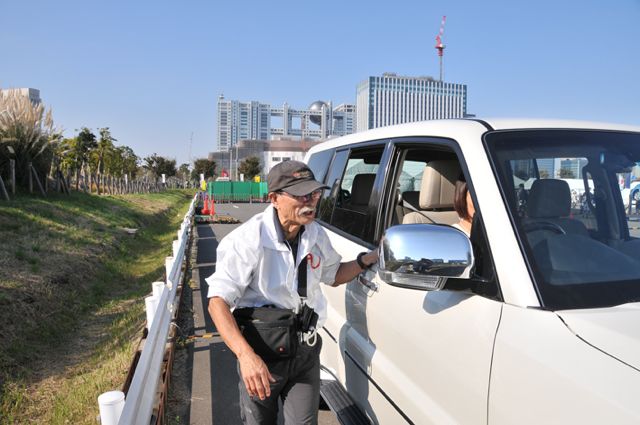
x=304 y=198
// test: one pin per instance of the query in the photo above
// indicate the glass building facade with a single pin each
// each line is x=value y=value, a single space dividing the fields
x=392 y=99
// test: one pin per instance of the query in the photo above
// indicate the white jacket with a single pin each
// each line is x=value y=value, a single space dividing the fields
x=255 y=267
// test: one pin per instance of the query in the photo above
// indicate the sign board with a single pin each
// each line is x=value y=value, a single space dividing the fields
x=164 y=178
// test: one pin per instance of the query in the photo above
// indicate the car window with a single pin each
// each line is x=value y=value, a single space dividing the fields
x=574 y=171
x=336 y=169
x=346 y=205
x=580 y=238
x=319 y=163
x=416 y=168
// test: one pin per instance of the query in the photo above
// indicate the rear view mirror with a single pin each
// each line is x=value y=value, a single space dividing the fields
x=423 y=256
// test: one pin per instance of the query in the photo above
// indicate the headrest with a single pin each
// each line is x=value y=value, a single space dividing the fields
x=411 y=197
x=549 y=198
x=439 y=184
x=361 y=189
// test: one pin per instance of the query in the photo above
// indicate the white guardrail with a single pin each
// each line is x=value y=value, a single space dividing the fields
x=139 y=403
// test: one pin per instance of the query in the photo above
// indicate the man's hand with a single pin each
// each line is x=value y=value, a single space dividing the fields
x=255 y=375
x=370 y=258
x=254 y=371
x=347 y=271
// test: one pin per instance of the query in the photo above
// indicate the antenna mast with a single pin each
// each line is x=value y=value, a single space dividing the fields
x=439 y=46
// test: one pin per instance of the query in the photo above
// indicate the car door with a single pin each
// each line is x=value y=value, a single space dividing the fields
x=349 y=212
x=429 y=353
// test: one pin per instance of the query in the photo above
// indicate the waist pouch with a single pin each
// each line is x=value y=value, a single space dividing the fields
x=270 y=331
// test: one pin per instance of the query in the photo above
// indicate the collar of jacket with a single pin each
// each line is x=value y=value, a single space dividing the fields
x=271 y=238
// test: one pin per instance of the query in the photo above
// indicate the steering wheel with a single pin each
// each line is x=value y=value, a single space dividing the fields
x=532 y=226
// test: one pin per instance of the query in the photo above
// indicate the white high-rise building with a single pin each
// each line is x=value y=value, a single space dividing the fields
x=344 y=116
x=393 y=99
x=241 y=121
x=259 y=121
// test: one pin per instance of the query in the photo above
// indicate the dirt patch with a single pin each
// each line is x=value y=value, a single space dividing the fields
x=179 y=396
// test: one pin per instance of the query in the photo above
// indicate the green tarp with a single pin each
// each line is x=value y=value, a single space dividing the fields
x=237 y=191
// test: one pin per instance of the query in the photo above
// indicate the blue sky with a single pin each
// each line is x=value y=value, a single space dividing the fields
x=152 y=70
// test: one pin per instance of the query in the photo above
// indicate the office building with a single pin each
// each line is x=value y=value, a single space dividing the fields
x=253 y=120
x=393 y=99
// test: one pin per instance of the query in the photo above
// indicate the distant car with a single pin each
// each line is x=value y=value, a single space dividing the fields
x=633 y=192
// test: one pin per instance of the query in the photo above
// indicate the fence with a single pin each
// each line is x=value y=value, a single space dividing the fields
x=232 y=191
x=141 y=399
x=87 y=182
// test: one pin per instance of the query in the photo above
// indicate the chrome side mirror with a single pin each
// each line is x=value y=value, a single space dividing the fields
x=423 y=256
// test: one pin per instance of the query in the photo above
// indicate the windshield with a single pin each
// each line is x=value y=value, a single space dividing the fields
x=574 y=198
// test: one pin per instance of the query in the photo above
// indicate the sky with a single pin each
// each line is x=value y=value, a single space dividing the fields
x=152 y=71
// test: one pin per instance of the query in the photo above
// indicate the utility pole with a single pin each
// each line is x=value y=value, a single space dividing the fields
x=439 y=46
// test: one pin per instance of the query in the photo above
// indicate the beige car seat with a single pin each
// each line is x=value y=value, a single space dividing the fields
x=436 y=194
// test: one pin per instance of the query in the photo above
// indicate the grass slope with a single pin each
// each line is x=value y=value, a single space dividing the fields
x=71 y=287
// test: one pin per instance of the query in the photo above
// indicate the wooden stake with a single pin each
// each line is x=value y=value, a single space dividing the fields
x=35 y=174
x=12 y=175
x=30 y=178
x=4 y=190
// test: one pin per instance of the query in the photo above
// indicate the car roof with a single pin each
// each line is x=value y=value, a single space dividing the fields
x=454 y=128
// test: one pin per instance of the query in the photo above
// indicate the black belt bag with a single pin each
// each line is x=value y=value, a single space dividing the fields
x=270 y=331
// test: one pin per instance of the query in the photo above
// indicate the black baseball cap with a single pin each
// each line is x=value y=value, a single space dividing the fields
x=293 y=177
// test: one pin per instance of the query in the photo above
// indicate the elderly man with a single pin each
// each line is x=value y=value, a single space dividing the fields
x=277 y=259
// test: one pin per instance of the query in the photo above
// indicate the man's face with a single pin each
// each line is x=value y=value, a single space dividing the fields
x=296 y=209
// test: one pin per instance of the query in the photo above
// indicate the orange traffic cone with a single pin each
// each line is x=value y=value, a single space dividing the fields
x=213 y=206
x=205 y=205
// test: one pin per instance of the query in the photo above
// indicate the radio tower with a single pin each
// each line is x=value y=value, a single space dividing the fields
x=439 y=46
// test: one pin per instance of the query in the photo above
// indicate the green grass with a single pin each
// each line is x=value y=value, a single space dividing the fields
x=71 y=288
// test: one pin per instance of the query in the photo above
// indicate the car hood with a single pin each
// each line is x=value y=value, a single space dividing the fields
x=614 y=330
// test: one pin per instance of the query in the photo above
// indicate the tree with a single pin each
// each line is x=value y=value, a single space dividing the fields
x=159 y=165
x=250 y=167
x=27 y=134
x=102 y=154
x=124 y=161
x=203 y=166
x=184 y=171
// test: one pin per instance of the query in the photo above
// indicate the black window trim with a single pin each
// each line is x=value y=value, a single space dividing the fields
x=375 y=194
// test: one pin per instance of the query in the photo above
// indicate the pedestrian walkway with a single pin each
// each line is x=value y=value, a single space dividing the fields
x=209 y=376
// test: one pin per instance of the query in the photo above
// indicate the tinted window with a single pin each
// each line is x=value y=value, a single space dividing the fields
x=325 y=208
x=319 y=163
x=351 y=194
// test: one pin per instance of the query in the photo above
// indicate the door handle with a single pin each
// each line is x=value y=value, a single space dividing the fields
x=366 y=282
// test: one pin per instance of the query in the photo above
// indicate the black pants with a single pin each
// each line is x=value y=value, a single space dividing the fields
x=297 y=385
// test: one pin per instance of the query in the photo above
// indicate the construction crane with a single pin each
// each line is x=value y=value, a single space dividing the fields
x=439 y=46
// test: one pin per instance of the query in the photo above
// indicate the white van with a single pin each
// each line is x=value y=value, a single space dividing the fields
x=533 y=320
